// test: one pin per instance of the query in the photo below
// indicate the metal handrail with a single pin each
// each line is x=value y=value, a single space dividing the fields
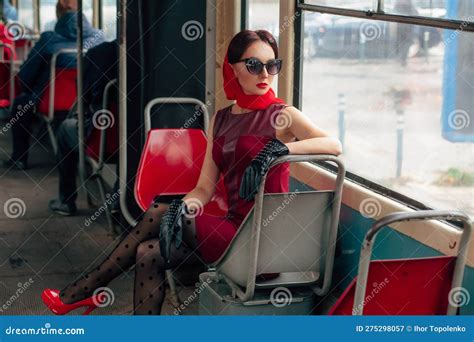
x=257 y=222
x=366 y=251
x=122 y=57
x=174 y=100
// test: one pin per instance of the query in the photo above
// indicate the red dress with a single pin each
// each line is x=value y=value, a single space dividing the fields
x=237 y=138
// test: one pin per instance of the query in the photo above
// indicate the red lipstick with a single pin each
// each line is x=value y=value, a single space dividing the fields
x=262 y=85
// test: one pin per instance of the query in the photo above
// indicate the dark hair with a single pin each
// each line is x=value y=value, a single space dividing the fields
x=244 y=39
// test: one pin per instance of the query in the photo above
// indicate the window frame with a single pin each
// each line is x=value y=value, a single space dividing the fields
x=379 y=15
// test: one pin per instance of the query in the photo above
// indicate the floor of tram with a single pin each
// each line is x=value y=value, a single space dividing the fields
x=39 y=249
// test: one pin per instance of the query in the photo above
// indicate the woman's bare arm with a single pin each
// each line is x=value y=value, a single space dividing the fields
x=209 y=176
x=311 y=139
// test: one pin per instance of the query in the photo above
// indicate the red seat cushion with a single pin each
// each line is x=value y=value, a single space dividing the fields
x=403 y=287
x=170 y=164
x=65 y=91
x=4 y=103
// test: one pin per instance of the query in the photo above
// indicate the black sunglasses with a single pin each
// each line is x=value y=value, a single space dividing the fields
x=255 y=66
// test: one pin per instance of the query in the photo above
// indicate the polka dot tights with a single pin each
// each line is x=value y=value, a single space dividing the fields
x=140 y=247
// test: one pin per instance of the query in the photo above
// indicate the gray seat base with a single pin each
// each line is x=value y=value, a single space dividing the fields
x=215 y=298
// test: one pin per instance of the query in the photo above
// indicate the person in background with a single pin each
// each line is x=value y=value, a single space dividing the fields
x=9 y=11
x=100 y=67
x=34 y=74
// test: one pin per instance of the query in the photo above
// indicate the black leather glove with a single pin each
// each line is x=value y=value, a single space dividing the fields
x=254 y=173
x=171 y=228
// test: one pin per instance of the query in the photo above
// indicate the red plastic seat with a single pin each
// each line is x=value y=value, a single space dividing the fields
x=5 y=73
x=22 y=48
x=65 y=92
x=403 y=287
x=170 y=165
x=4 y=85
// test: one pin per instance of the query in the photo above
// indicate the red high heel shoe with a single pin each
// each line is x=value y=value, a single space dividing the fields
x=55 y=304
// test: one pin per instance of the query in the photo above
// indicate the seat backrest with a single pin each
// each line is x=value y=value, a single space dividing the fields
x=403 y=287
x=65 y=91
x=6 y=52
x=293 y=237
x=170 y=164
x=22 y=47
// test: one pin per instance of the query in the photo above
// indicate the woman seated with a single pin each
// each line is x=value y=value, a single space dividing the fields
x=244 y=139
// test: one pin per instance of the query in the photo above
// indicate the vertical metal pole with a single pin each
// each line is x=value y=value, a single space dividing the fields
x=400 y=129
x=341 y=104
x=298 y=57
x=244 y=17
x=80 y=102
x=380 y=6
x=36 y=17
x=122 y=37
x=96 y=14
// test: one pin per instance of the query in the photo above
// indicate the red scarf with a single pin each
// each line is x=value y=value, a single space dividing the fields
x=234 y=91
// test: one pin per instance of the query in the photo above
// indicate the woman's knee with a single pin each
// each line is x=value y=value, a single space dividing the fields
x=155 y=212
x=148 y=252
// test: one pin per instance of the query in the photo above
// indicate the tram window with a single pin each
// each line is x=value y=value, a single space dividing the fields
x=423 y=8
x=48 y=13
x=357 y=5
x=25 y=13
x=109 y=19
x=264 y=15
x=388 y=90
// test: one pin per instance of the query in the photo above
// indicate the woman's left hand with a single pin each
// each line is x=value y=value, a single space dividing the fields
x=259 y=166
x=171 y=228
